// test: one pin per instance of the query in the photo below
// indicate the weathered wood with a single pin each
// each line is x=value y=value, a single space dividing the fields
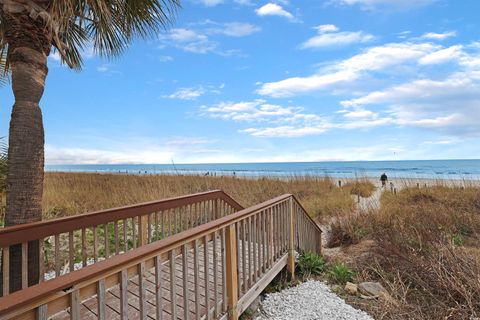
x=206 y=276
x=142 y=291
x=106 y=241
x=158 y=288
x=125 y=268
x=95 y=250
x=231 y=275
x=123 y=295
x=291 y=242
x=24 y=265
x=84 y=247
x=196 y=276
x=75 y=305
x=101 y=299
x=71 y=251
x=115 y=235
x=186 y=312
x=6 y=271
x=173 y=287
x=42 y=312
x=57 y=255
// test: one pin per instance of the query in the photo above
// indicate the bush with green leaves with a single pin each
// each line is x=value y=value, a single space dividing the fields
x=341 y=273
x=310 y=263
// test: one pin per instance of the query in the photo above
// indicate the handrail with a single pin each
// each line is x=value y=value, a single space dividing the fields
x=116 y=263
x=275 y=227
x=36 y=230
x=307 y=215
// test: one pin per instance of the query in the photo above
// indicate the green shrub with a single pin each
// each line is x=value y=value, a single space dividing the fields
x=310 y=263
x=457 y=240
x=341 y=273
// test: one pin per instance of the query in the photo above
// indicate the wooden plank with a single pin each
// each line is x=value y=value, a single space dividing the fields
x=71 y=251
x=42 y=312
x=158 y=288
x=134 y=232
x=95 y=244
x=173 y=294
x=125 y=238
x=6 y=270
x=75 y=305
x=101 y=299
x=255 y=291
x=196 y=277
x=123 y=295
x=185 y=282
x=142 y=291
x=57 y=255
x=215 y=274
x=206 y=275
x=24 y=265
x=115 y=235
x=231 y=275
x=244 y=256
x=84 y=247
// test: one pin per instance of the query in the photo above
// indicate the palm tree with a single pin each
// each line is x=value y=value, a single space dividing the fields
x=29 y=31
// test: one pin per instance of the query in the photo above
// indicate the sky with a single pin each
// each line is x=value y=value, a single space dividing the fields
x=274 y=81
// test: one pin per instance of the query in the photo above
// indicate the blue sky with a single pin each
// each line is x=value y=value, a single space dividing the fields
x=259 y=81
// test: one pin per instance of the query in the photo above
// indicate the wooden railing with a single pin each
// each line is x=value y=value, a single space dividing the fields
x=213 y=270
x=71 y=243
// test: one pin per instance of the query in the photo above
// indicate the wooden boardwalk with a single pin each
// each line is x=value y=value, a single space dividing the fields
x=212 y=268
x=196 y=302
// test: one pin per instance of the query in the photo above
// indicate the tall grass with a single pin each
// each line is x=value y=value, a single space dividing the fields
x=73 y=193
x=427 y=251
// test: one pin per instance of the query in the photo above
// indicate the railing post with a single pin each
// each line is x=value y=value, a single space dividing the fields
x=142 y=232
x=291 y=242
x=231 y=268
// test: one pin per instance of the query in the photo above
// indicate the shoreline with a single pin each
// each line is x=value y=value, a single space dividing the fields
x=397 y=181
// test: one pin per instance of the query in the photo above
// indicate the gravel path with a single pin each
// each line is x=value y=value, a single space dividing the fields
x=311 y=300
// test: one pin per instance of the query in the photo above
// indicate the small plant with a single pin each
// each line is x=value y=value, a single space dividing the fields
x=457 y=240
x=341 y=273
x=310 y=263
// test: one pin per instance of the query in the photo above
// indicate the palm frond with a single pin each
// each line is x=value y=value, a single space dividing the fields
x=108 y=26
x=3 y=162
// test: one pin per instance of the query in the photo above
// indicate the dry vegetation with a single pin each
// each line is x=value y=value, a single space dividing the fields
x=360 y=187
x=73 y=193
x=424 y=246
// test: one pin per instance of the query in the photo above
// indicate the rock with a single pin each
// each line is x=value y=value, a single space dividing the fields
x=374 y=289
x=351 y=288
x=336 y=288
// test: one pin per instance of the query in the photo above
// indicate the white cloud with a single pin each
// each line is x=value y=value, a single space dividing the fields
x=189 y=40
x=329 y=35
x=273 y=9
x=438 y=36
x=373 y=59
x=238 y=29
x=186 y=93
x=375 y=4
x=442 y=56
x=327 y=28
x=165 y=58
x=257 y=111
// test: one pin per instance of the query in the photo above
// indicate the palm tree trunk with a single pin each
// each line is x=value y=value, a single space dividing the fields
x=30 y=43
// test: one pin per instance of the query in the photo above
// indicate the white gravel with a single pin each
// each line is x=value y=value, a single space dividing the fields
x=308 y=301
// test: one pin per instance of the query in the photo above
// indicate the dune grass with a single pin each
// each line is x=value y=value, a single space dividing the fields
x=73 y=193
x=426 y=252
x=360 y=187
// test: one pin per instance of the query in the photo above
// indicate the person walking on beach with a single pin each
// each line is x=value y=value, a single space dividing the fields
x=384 y=179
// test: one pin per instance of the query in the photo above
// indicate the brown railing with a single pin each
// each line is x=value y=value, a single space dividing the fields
x=72 y=243
x=213 y=270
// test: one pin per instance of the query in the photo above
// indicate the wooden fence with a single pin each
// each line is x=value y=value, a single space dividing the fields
x=208 y=269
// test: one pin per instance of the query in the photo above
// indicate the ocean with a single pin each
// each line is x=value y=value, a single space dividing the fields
x=421 y=169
